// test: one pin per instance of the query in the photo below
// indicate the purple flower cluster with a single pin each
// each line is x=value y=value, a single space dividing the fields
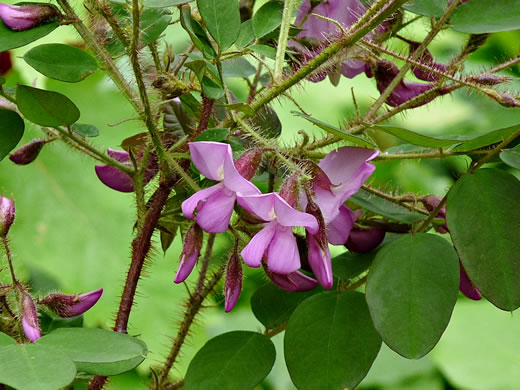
x=274 y=246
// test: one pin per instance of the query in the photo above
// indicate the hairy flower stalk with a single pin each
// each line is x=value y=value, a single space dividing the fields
x=25 y=17
x=67 y=306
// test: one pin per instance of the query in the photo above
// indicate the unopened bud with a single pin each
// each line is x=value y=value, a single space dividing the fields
x=502 y=98
x=466 y=287
x=233 y=286
x=364 y=240
x=67 y=306
x=7 y=212
x=248 y=163
x=27 y=153
x=5 y=62
x=29 y=315
x=489 y=79
x=319 y=177
x=293 y=282
x=25 y=17
x=190 y=252
x=319 y=253
x=290 y=191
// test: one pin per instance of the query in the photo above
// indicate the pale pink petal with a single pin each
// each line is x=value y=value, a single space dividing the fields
x=209 y=158
x=282 y=255
x=235 y=181
x=260 y=205
x=288 y=216
x=339 y=228
x=293 y=282
x=254 y=251
x=214 y=213
x=320 y=262
x=190 y=204
x=342 y=164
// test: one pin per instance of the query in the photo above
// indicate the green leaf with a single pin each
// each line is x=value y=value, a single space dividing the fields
x=176 y=119
x=482 y=16
x=10 y=39
x=222 y=19
x=11 y=131
x=267 y=120
x=5 y=340
x=330 y=341
x=97 y=351
x=480 y=349
x=231 y=361
x=35 y=367
x=415 y=138
x=85 y=130
x=264 y=50
x=511 y=157
x=215 y=135
x=433 y=8
x=211 y=89
x=383 y=207
x=61 y=62
x=197 y=34
x=411 y=290
x=246 y=34
x=237 y=67
x=273 y=306
x=153 y=24
x=348 y=265
x=267 y=18
x=483 y=219
x=487 y=139
x=164 y=3
x=46 y=108
x=335 y=131
x=49 y=322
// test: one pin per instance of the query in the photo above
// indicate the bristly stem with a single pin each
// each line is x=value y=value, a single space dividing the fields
x=289 y=6
x=207 y=110
x=5 y=243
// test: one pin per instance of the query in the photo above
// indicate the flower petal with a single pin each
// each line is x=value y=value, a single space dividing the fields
x=466 y=287
x=186 y=265
x=260 y=205
x=209 y=158
x=341 y=165
x=288 y=216
x=213 y=215
x=235 y=181
x=190 y=204
x=119 y=155
x=114 y=178
x=339 y=228
x=254 y=251
x=293 y=282
x=283 y=256
x=320 y=262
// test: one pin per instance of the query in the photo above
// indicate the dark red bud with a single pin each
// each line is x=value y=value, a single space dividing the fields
x=489 y=79
x=5 y=62
x=290 y=191
x=319 y=177
x=364 y=240
x=233 y=286
x=27 y=153
x=7 y=213
x=248 y=163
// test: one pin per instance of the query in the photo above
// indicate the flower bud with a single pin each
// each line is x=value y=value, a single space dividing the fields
x=502 y=98
x=489 y=79
x=319 y=177
x=364 y=240
x=466 y=287
x=27 y=153
x=29 y=315
x=5 y=62
x=25 y=17
x=67 y=306
x=7 y=212
x=248 y=163
x=233 y=286
x=319 y=253
x=293 y=282
x=290 y=191
x=430 y=202
x=190 y=252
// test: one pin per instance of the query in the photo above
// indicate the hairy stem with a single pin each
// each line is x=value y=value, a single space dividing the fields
x=288 y=10
x=5 y=243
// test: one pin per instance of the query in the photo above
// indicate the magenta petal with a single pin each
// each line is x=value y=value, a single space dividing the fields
x=190 y=204
x=214 y=213
x=320 y=262
x=283 y=256
x=293 y=282
x=83 y=303
x=209 y=158
x=342 y=164
x=235 y=181
x=287 y=216
x=351 y=68
x=466 y=287
x=114 y=178
x=119 y=155
x=339 y=228
x=186 y=265
x=31 y=332
x=260 y=205
x=363 y=241
x=254 y=251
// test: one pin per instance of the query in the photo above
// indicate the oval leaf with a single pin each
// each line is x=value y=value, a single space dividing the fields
x=487 y=139
x=232 y=361
x=215 y=135
x=46 y=108
x=415 y=138
x=85 y=130
x=164 y=3
x=273 y=306
x=483 y=218
x=35 y=367
x=427 y=7
x=267 y=18
x=511 y=157
x=222 y=19
x=97 y=351
x=411 y=290
x=330 y=342
x=10 y=39
x=61 y=62
x=483 y=16
x=197 y=34
x=11 y=131
x=211 y=89
x=6 y=340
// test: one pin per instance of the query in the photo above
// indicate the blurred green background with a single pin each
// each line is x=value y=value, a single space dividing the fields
x=72 y=233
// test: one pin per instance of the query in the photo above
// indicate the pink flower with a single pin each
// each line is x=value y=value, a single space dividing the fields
x=276 y=239
x=67 y=306
x=215 y=204
x=190 y=253
x=30 y=324
x=7 y=213
x=347 y=169
x=25 y=17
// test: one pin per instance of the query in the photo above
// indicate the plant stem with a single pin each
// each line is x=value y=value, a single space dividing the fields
x=5 y=243
x=288 y=10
